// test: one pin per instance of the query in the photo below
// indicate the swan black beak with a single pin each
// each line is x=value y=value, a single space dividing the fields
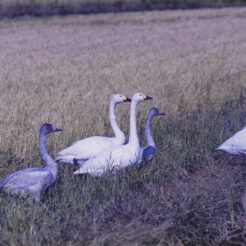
x=161 y=113
x=127 y=100
x=57 y=130
x=148 y=98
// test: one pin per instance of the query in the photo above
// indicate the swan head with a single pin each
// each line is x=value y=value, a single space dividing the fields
x=140 y=97
x=47 y=128
x=119 y=98
x=155 y=111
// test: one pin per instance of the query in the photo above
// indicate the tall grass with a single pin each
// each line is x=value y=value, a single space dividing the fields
x=64 y=71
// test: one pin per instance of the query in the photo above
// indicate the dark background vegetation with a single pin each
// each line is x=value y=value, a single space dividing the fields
x=15 y=8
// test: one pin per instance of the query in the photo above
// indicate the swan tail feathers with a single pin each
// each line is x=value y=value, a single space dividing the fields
x=65 y=158
x=231 y=149
x=95 y=173
x=78 y=172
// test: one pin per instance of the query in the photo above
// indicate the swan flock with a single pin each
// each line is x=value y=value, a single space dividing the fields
x=94 y=155
x=120 y=156
x=98 y=154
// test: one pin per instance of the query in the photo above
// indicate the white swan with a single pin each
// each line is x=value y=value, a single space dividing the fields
x=87 y=148
x=147 y=153
x=235 y=145
x=34 y=181
x=118 y=156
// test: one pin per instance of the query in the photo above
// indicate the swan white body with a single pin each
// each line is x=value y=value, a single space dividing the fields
x=118 y=156
x=147 y=153
x=34 y=181
x=236 y=145
x=84 y=149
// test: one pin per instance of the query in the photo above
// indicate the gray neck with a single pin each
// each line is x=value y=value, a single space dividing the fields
x=133 y=138
x=118 y=133
x=50 y=163
x=148 y=135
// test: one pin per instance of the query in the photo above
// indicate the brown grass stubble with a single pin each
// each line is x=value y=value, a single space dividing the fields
x=64 y=70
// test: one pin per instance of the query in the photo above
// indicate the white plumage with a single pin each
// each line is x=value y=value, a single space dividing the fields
x=118 y=156
x=235 y=145
x=34 y=181
x=84 y=149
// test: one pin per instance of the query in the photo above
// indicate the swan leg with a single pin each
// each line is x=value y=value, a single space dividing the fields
x=75 y=162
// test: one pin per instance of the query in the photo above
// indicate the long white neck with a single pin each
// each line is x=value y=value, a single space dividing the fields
x=148 y=135
x=50 y=163
x=133 y=138
x=118 y=133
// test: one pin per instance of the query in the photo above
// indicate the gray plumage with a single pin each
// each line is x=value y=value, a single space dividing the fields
x=147 y=153
x=34 y=181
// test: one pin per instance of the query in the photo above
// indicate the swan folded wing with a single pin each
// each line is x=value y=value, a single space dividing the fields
x=85 y=149
x=148 y=153
x=116 y=158
x=26 y=178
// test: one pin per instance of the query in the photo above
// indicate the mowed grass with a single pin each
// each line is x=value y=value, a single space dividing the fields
x=63 y=70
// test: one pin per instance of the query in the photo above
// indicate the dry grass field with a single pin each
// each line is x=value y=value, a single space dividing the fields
x=63 y=70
